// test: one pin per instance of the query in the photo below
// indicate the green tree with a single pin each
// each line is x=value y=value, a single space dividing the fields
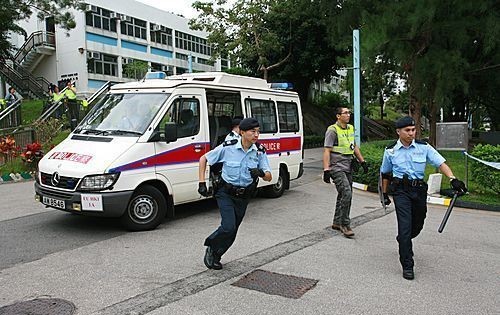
x=136 y=69
x=13 y=11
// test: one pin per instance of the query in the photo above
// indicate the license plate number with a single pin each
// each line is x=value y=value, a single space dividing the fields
x=53 y=202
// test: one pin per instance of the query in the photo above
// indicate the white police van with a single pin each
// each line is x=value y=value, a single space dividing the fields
x=135 y=155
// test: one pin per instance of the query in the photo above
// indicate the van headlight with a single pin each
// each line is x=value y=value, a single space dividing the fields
x=98 y=182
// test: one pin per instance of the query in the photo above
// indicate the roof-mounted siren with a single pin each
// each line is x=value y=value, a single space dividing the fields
x=90 y=8
x=281 y=86
x=155 y=75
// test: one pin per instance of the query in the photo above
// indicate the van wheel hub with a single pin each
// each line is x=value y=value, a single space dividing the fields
x=143 y=208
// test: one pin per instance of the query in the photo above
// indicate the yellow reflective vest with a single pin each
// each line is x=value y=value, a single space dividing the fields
x=56 y=97
x=70 y=94
x=345 y=138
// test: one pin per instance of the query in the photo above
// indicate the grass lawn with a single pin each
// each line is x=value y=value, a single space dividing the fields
x=31 y=110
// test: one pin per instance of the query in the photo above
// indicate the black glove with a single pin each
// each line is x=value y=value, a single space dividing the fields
x=458 y=186
x=202 y=189
x=256 y=172
x=326 y=176
x=387 y=201
x=364 y=166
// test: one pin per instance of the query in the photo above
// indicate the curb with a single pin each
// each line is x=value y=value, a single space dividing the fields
x=441 y=201
x=16 y=177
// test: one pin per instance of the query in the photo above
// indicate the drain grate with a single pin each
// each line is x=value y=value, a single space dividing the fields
x=276 y=284
x=39 y=307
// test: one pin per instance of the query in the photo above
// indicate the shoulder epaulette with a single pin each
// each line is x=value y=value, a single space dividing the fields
x=260 y=147
x=230 y=142
x=390 y=146
x=421 y=141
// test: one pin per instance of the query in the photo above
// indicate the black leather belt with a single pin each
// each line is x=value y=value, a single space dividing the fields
x=237 y=191
x=409 y=182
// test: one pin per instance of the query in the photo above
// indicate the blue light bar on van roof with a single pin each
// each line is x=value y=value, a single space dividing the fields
x=281 y=86
x=155 y=75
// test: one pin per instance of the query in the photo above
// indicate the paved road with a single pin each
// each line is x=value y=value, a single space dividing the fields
x=103 y=270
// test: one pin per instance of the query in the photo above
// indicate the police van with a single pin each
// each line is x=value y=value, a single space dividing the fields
x=135 y=155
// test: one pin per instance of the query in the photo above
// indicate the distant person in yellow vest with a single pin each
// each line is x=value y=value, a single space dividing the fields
x=338 y=157
x=3 y=104
x=72 y=104
x=56 y=96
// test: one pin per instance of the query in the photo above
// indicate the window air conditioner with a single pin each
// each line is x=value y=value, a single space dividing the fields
x=90 y=8
x=126 y=18
x=156 y=27
x=114 y=15
x=96 y=55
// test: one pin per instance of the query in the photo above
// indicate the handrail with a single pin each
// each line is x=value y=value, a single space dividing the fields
x=39 y=38
x=46 y=114
x=24 y=81
x=97 y=93
x=9 y=110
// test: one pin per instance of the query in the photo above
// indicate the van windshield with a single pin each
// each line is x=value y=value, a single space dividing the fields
x=123 y=114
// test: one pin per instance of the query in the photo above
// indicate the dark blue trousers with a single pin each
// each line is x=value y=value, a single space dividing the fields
x=411 y=209
x=232 y=211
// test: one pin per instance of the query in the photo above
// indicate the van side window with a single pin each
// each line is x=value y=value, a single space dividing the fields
x=185 y=112
x=264 y=112
x=288 y=114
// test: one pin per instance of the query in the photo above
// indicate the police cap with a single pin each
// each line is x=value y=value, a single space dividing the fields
x=405 y=122
x=248 y=124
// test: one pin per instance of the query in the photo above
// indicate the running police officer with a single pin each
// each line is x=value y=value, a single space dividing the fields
x=243 y=163
x=404 y=164
x=338 y=157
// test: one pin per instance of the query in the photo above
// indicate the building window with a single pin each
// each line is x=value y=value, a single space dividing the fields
x=288 y=114
x=134 y=27
x=100 y=18
x=205 y=61
x=181 y=56
x=100 y=63
x=160 y=34
x=224 y=63
x=192 y=43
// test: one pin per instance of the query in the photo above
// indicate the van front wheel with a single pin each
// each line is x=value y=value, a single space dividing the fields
x=276 y=190
x=146 y=209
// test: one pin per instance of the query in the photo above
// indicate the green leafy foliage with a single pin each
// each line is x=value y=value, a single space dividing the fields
x=331 y=100
x=487 y=177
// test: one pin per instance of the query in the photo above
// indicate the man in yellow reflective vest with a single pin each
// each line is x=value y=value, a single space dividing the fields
x=56 y=96
x=338 y=157
x=72 y=103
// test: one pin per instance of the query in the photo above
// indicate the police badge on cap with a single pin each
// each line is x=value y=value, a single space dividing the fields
x=405 y=122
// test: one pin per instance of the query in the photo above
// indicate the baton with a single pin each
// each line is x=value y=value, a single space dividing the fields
x=448 y=212
x=381 y=193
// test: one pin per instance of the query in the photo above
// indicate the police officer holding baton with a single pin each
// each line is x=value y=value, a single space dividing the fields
x=243 y=163
x=404 y=164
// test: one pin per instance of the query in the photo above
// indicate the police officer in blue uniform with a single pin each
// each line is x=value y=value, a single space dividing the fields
x=404 y=164
x=243 y=163
x=235 y=129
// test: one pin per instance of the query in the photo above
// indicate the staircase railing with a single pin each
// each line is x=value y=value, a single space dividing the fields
x=44 y=83
x=24 y=81
x=11 y=116
x=39 y=38
x=375 y=128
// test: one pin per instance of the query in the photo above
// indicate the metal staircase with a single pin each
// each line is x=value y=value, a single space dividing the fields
x=38 y=45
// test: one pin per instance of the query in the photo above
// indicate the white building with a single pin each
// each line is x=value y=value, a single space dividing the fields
x=109 y=42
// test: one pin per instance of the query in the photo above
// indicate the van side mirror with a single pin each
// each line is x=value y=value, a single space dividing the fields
x=170 y=132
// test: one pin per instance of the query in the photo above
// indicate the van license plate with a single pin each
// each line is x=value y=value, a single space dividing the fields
x=53 y=202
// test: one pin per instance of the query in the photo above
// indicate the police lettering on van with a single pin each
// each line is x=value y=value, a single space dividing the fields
x=135 y=155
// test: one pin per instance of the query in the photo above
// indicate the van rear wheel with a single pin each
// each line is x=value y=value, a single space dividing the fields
x=146 y=209
x=276 y=190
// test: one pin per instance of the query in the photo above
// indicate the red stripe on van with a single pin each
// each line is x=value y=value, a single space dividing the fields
x=185 y=154
x=274 y=146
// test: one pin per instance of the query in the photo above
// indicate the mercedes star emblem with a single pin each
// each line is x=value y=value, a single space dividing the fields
x=55 y=179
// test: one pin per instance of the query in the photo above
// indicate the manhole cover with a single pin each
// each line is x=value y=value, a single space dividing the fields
x=276 y=284
x=39 y=307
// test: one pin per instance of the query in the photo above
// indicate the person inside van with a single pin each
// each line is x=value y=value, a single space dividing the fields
x=235 y=129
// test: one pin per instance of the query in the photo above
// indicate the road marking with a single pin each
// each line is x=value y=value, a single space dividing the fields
x=156 y=298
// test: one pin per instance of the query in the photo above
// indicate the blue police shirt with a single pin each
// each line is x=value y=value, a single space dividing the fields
x=236 y=162
x=411 y=160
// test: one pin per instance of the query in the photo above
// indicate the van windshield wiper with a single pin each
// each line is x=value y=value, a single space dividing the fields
x=92 y=131
x=122 y=132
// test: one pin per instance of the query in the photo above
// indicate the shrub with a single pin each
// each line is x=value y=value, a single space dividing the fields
x=313 y=141
x=46 y=131
x=486 y=176
x=8 y=152
x=32 y=154
x=331 y=100
x=372 y=153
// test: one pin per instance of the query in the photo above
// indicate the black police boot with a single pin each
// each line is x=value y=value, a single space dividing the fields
x=210 y=260
x=408 y=274
x=217 y=265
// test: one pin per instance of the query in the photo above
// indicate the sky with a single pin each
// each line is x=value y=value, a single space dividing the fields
x=176 y=6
